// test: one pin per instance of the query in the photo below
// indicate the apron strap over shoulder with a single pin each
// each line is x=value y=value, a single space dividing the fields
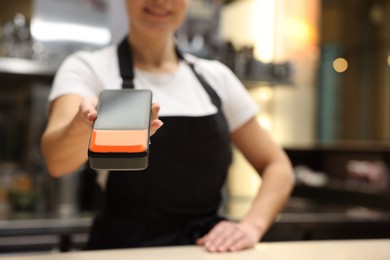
x=126 y=64
x=125 y=59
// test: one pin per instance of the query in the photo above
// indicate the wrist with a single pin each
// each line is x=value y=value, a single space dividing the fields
x=258 y=225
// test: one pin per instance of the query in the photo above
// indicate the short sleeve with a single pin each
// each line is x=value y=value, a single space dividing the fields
x=75 y=76
x=237 y=104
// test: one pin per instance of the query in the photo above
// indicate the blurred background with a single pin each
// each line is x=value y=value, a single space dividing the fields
x=319 y=70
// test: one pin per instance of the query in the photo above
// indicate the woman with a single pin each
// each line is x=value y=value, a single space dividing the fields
x=204 y=108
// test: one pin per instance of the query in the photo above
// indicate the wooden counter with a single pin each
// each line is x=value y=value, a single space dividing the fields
x=342 y=249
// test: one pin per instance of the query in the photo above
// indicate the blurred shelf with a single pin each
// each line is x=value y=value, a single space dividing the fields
x=344 y=146
x=27 y=67
x=38 y=233
x=343 y=187
x=45 y=226
x=266 y=82
x=344 y=195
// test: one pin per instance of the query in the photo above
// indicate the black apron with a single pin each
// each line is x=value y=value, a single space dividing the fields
x=176 y=199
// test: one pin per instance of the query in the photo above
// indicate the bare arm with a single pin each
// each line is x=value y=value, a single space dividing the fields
x=273 y=165
x=65 y=140
x=271 y=162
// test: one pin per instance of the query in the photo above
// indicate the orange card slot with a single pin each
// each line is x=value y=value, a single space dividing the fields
x=118 y=141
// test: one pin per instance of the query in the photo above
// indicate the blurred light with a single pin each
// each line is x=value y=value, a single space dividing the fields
x=300 y=33
x=340 y=65
x=263 y=23
x=376 y=14
x=265 y=121
x=51 y=31
x=388 y=60
x=251 y=23
x=263 y=94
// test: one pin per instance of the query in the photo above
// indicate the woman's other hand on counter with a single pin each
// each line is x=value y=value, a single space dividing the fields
x=229 y=236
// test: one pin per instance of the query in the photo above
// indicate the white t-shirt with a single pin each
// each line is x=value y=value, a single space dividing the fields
x=179 y=93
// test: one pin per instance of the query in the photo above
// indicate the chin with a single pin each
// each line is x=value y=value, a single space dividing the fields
x=160 y=31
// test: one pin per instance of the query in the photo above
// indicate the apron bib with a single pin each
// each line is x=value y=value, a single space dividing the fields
x=176 y=199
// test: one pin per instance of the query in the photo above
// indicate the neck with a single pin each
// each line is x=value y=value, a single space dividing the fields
x=156 y=55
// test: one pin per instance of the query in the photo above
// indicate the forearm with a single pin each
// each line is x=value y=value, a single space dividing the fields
x=271 y=197
x=233 y=236
x=65 y=148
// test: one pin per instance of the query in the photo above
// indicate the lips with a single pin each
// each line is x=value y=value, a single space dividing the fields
x=158 y=13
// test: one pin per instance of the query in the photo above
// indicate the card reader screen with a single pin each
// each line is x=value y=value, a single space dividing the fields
x=123 y=110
